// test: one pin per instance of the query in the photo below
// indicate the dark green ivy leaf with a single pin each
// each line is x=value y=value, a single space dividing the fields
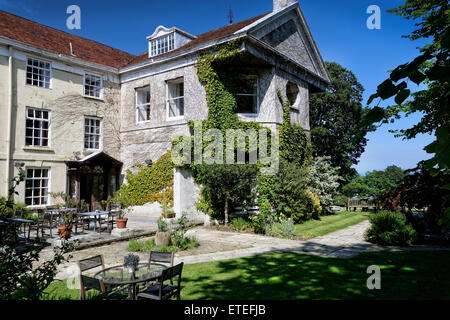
x=402 y=96
x=387 y=89
x=417 y=77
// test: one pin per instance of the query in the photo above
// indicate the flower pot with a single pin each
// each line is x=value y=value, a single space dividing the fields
x=168 y=215
x=121 y=223
x=64 y=231
x=162 y=238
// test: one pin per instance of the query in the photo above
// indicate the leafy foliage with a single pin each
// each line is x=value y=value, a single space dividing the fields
x=20 y=277
x=226 y=186
x=335 y=116
x=287 y=228
x=149 y=184
x=239 y=224
x=263 y=219
x=432 y=69
x=289 y=195
x=390 y=228
x=323 y=181
x=374 y=182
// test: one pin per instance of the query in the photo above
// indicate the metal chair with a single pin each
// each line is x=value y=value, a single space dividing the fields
x=88 y=283
x=161 y=257
x=160 y=290
x=99 y=285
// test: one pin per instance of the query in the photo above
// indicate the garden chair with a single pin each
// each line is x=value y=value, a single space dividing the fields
x=162 y=291
x=46 y=221
x=89 y=283
x=165 y=258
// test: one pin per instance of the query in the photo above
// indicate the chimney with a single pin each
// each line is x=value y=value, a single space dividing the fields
x=280 y=4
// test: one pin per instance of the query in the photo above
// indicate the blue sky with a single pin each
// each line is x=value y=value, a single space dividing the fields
x=339 y=28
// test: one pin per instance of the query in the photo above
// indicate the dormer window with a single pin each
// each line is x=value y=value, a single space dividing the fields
x=164 y=40
x=163 y=44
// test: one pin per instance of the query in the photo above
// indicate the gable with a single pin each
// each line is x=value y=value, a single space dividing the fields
x=287 y=40
x=287 y=32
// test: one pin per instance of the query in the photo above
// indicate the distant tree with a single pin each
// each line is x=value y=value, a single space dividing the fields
x=374 y=182
x=335 y=116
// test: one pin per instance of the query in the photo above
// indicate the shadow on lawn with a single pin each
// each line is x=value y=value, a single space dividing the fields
x=404 y=275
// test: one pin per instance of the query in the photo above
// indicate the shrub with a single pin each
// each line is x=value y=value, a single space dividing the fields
x=323 y=181
x=263 y=219
x=390 y=228
x=140 y=246
x=287 y=228
x=239 y=224
x=162 y=225
x=287 y=193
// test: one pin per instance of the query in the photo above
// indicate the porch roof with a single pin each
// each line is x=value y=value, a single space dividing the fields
x=96 y=156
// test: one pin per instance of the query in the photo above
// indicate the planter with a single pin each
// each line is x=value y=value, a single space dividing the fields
x=162 y=238
x=168 y=215
x=121 y=223
x=64 y=231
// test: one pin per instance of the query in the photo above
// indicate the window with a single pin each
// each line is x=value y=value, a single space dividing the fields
x=36 y=187
x=163 y=44
x=38 y=73
x=292 y=93
x=247 y=95
x=92 y=85
x=143 y=104
x=92 y=133
x=37 y=127
x=175 y=98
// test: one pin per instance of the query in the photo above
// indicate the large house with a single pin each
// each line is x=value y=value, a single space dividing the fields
x=75 y=113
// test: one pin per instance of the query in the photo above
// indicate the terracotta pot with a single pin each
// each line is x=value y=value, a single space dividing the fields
x=162 y=238
x=121 y=223
x=64 y=231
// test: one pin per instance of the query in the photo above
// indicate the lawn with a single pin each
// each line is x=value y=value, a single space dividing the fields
x=326 y=224
x=285 y=276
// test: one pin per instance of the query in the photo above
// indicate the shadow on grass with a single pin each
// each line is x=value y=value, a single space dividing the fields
x=274 y=276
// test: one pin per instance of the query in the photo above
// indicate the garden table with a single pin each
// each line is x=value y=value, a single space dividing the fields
x=96 y=215
x=59 y=211
x=121 y=276
x=24 y=223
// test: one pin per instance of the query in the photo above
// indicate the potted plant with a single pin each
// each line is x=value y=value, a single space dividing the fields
x=121 y=221
x=131 y=262
x=163 y=235
x=65 y=229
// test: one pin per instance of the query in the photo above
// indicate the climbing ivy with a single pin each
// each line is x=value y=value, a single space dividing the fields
x=151 y=183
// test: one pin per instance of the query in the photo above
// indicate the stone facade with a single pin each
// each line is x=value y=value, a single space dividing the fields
x=280 y=52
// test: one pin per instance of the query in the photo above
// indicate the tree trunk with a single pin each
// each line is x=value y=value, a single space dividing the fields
x=226 y=211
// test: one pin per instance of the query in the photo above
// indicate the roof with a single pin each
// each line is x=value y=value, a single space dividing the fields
x=99 y=155
x=212 y=35
x=47 y=38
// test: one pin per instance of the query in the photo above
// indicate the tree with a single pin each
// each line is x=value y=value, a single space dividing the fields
x=335 y=116
x=374 y=182
x=225 y=186
x=431 y=68
x=323 y=181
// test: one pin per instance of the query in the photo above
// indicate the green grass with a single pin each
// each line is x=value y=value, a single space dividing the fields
x=287 y=276
x=328 y=224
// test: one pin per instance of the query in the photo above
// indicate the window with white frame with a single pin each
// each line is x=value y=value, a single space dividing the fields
x=36 y=186
x=37 y=131
x=143 y=104
x=92 y=133
x=247 y=94
x=92 y=85
x=162 y=44
x=175 y=98
x=38 y=73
